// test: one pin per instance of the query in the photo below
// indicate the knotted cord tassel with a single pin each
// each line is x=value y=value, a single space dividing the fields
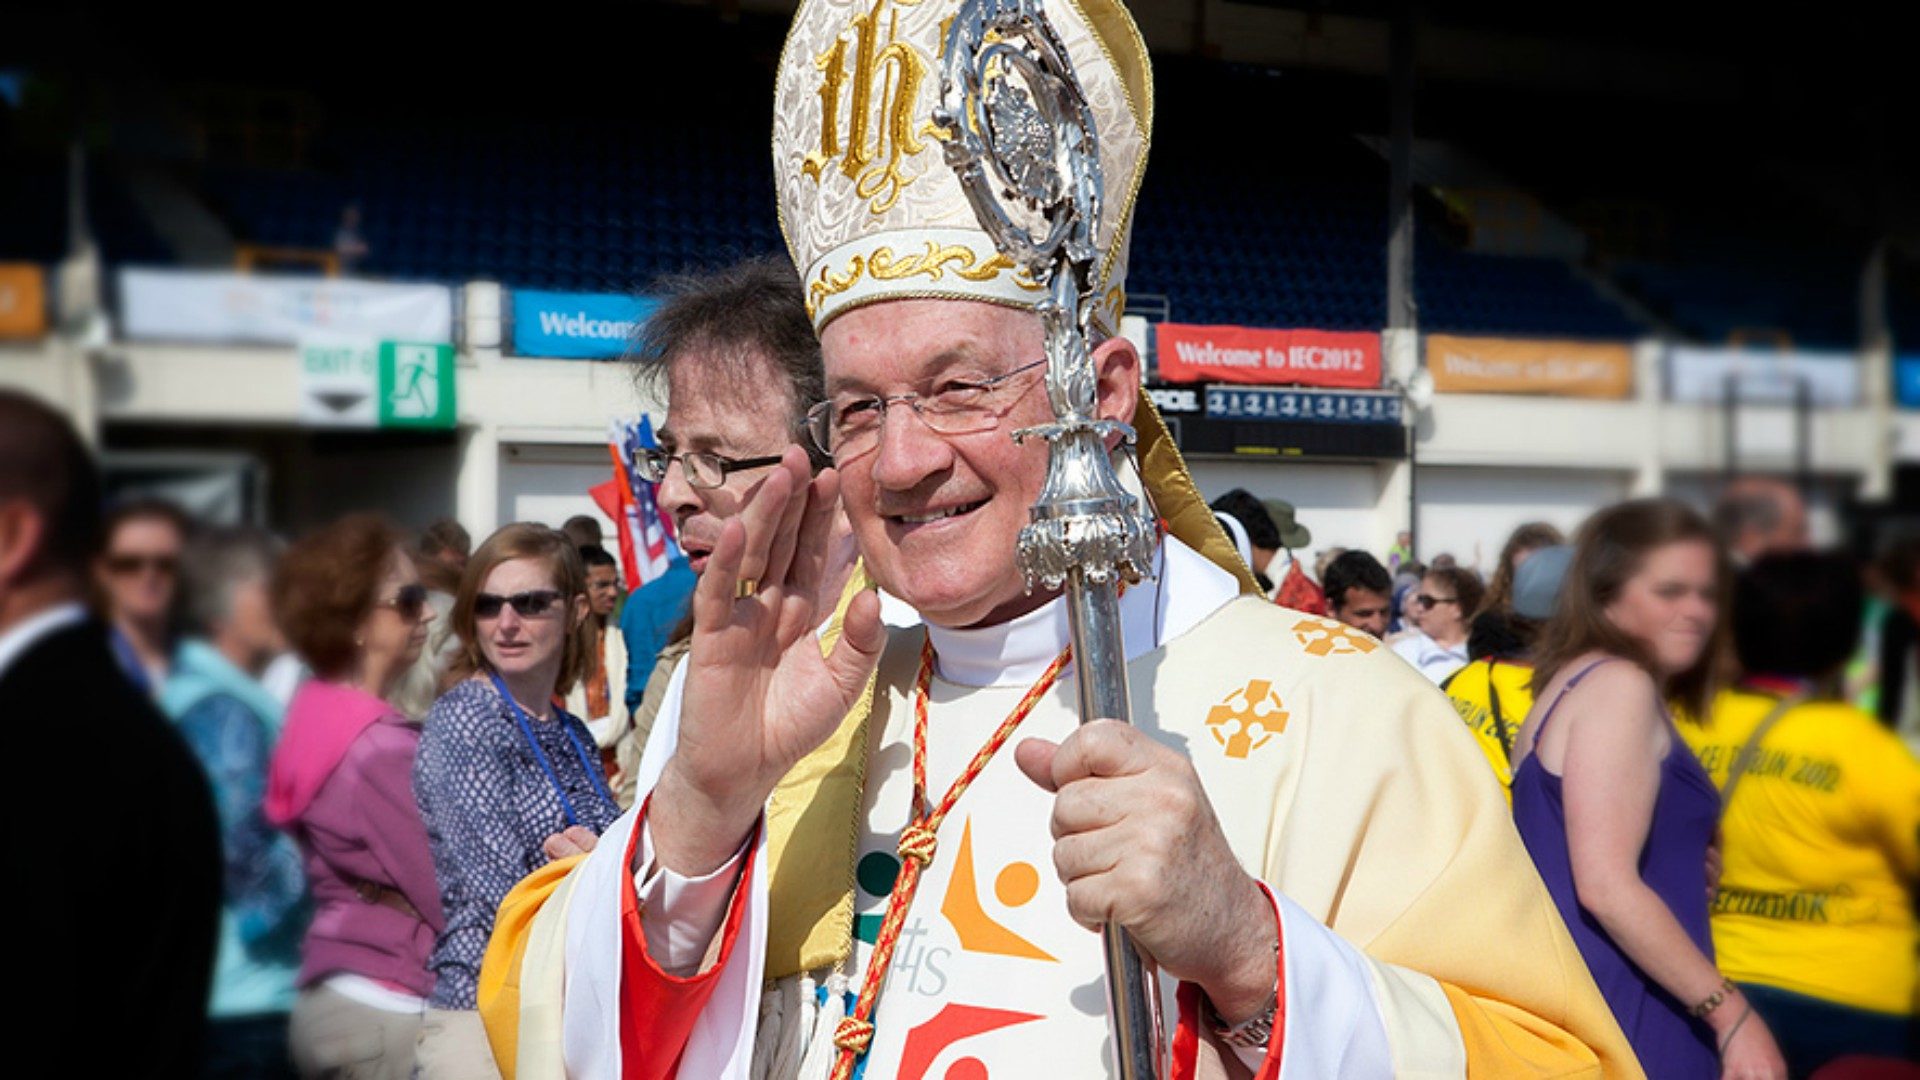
x=853 y=1035
x=917 y=842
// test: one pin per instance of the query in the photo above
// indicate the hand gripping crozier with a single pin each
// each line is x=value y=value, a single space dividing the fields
x=885 y=854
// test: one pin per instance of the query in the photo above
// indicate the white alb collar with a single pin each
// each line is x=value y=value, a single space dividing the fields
x=1186 y=588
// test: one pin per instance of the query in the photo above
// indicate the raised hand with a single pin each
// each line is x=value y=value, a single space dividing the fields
x=759 y=695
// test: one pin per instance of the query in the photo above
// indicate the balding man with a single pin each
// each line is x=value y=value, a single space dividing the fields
x=134 y=910
x=1760 y=515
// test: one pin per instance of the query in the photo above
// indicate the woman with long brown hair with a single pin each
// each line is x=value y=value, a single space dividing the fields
x=1614 y=808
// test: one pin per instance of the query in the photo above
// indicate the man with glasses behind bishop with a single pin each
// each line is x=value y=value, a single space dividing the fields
x=737 y=359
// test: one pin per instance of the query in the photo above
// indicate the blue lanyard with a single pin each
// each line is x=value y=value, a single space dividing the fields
x=586 y=763
x=130 y=664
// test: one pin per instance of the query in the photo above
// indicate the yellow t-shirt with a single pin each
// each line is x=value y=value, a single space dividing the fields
x=1474 y=689
x=1822 y=852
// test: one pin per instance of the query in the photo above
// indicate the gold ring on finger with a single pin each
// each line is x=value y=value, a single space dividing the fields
x=745 y=587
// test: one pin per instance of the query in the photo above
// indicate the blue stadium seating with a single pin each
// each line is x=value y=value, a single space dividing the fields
x=608 y=206
x=1723 y=278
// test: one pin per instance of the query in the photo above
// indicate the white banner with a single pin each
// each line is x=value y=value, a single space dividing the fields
x=1906 y=436
x=1762 y=376
x=198 y=305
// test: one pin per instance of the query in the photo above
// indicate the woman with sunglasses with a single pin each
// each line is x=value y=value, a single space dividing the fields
x=1440 y=608
x=136 y=577
x=350 y=602
x=506 y=778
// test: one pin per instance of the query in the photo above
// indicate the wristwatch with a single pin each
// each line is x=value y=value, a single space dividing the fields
x=1255 y=1032
x=1250 y=1034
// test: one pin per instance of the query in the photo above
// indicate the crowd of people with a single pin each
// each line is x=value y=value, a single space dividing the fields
x=1705 y=728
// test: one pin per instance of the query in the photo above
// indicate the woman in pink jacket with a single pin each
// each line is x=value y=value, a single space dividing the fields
x=352 y=604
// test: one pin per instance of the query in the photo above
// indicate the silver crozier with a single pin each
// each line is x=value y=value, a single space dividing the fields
x=1021 y=138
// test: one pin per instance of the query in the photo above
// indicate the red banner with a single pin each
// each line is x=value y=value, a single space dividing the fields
x=1270 y=357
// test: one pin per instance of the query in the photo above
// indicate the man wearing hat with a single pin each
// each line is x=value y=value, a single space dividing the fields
x=1270 y=530
x=841 y=863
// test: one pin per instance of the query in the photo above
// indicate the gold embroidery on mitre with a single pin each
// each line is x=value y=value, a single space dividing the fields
x=1321 y=637
x=880 y=134
x=828 y=283
x=1244 y=722
x=938 y=260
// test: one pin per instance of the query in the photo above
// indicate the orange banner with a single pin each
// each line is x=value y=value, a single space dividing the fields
x=23 y=301
x=1477 y=365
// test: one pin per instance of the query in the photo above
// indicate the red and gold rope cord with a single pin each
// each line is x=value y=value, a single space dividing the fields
x=855 y=1033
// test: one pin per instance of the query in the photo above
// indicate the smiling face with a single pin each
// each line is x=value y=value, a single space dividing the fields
x=1364 y=609
x=708 y=412
x=514 y=643
x=936 y=516
x=1668 y=604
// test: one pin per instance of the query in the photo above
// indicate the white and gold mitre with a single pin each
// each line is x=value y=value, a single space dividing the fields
x=870 y=209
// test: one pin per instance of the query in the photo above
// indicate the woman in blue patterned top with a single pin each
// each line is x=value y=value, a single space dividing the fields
x=506 y=779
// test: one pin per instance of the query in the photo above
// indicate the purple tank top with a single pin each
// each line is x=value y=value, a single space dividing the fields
x=1673 y=863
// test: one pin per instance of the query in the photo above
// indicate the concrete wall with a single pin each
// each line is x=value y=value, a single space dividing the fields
x=1338 y=502
x=1468 y=511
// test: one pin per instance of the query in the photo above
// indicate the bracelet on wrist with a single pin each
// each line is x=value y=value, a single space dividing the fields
x=1253 y=1033
x=1745 y=1015
x=1712 y=1001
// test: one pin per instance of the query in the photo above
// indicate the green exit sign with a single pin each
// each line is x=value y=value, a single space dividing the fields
x=416 y=385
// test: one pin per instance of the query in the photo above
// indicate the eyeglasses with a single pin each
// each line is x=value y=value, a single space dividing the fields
x=1425 y=600
x=703 y=470
x=409 y=603
x=129 y=565
x=849 y=428
x=529 y=605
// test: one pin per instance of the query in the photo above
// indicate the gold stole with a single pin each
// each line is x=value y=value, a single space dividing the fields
x=812 y=833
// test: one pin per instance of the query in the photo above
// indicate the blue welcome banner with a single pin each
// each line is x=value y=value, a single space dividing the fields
x=576 y=326
x=1906 y=380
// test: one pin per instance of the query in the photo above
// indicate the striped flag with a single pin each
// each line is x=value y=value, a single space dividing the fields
x=646 y=536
